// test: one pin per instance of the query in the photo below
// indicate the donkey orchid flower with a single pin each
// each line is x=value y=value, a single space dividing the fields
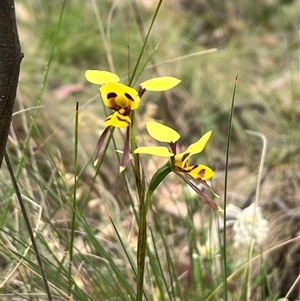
x=179 y=162
x=122 y=99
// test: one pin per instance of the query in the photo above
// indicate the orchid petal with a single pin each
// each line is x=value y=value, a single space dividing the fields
x=202 y=194
x=126 y=152
x=198 y=146
x=180 y=160
x=161 y=132
x=101 y=77
x=160 y=83
x=200 y=172
x=193 y=149
x=160 y=151
x=204 y=183
x=99 y=145
x=117 y=120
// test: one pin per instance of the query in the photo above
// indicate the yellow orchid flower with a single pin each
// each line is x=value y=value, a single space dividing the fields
x=180 y=162
x=122 y=100
x=118 y=97
x=163 y=133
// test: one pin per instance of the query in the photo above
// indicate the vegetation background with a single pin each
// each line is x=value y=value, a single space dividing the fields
x=204 y=43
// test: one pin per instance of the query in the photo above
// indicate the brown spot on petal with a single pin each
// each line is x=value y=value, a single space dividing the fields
x=123 y=120
x=111 y=95
x=201 y=174
x=129 y=97
x=185 y=156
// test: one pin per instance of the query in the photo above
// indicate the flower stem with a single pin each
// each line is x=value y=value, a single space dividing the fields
x=141 y=250
x=142 y=235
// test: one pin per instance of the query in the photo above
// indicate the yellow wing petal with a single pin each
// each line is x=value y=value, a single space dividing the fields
x=101 y=77
x=161 y=132
x=160 y=151
x=160 y=83
x=198 y=146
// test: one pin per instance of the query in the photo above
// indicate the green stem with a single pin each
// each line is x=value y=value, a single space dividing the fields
x=141 y=250
x=140 y=184
x=140 y=181
x=74 y=202
x=224 y=256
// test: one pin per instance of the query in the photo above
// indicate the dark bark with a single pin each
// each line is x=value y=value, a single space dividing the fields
x=10 y=60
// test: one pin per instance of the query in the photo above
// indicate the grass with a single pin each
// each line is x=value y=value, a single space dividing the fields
x=84 y=218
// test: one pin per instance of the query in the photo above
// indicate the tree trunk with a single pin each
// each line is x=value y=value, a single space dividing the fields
x=10 y=60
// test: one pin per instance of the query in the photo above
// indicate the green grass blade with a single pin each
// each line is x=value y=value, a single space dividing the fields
x=73 y=225
x=224 y=249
